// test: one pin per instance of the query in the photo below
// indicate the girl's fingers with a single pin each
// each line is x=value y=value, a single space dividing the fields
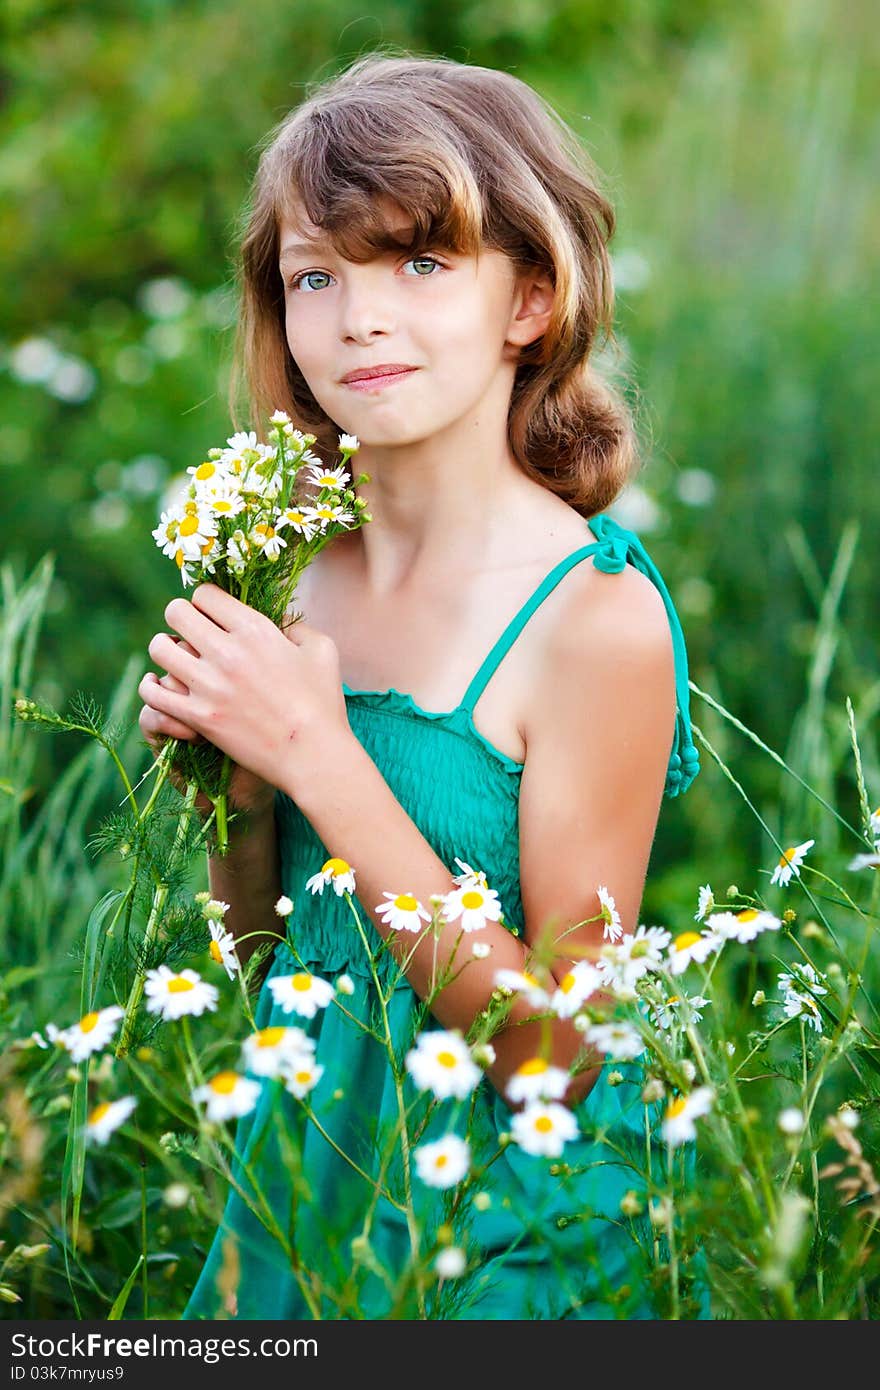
x=155 y=721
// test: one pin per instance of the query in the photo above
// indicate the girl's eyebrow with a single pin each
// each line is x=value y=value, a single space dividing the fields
x=295 y=248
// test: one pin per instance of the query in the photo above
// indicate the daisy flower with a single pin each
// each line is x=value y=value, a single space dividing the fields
x=687 y=1007
x=743 y=926
x=618 y=1040
x=172 y=995
x=678 y=1124
x=335 y=871
x=196 y=531
x=279 y=417
x=302 y=993
x=575 y=989
x=705 y=903
x=536 y=1079
x=268 y=540
x=474 y=902
x=330 y=514
x=106 y=1118
x=791 y=1120
x=334 y=478
x=875 y=822
x=451 y=1263
x=637 y=953
x=402 y=912
x=790 y=863
x=301 y=1075
x=689 y=946
x=469 y=875
x=798 y=990
x=444 y=1162
x=298 y=520
x=269 y=1050
x=544 y=1128
x=481 y=949
x=241 y=440
x=348 y=444
x=522 y=982
x=441 y=1063
x=284 y=906
x=613 y=928
x=865 y=861
x=345 y=985
x=222 y=948
x=224 y=499
x=227 y=1095
x=90 y=1034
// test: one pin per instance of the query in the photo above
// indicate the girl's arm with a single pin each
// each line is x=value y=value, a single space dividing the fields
x=597 y=751
x=248 y=877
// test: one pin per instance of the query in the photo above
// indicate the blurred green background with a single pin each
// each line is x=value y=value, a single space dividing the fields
x=740 y=144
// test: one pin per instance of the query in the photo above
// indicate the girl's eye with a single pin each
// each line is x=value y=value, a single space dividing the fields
x=423 y=260
x=297 y=280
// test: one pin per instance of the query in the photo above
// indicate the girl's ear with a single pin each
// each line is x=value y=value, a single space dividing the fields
x=532 y=307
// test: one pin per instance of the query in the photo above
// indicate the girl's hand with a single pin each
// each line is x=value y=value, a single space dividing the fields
x=246 y=792
x=271 y=699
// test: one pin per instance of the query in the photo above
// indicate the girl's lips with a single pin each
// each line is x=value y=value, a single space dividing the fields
x=376 y=383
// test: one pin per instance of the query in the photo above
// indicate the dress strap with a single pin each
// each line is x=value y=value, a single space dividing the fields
x=614 y=547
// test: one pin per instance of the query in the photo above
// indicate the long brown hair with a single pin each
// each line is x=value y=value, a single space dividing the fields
x=476 y=158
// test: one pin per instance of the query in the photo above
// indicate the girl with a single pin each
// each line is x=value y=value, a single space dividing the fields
x=425 y=267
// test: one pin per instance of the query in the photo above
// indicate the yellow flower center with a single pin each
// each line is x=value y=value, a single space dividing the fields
x=676 y=1107
x=406 y=902
x=531 y=980
x=189 y=525
x=301 y=982
x=294 y=516
x=686 y=939
x=335 y=867
x=568 y=983
x=788 y=856
x=673 y=999
x=208 y=546
x=303 y=1077
x=533 y=1067
x=543 y=1124
x=441 y=1160
x=178 y=985
x=215 y=953
x=472 y=898
x=178 y=556
x=748 y=914
x=325 y=512
x=269 y=1037
x=447 y=1059
x=265 y=530
x=205 y=470
x=99 y=1112
x=87 y=1023
x=224 y=1083
x=222 y=504
x=190 y=507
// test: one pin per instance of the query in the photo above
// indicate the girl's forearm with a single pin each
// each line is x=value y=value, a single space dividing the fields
x=356 y=815
x=248 y=877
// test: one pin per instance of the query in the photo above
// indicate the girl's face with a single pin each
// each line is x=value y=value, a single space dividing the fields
x=443 y=316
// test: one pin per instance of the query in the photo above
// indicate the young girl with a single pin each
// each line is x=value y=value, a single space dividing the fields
x=425 y=267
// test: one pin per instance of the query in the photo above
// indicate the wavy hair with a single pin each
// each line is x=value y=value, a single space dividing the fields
x=476 y=158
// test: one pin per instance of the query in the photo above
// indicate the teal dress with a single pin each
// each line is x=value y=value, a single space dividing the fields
x=544 y=1239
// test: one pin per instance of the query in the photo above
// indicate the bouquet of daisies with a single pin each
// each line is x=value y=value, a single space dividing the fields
x=250 y=520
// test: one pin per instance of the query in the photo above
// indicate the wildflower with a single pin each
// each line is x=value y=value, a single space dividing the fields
x=631 y=1203
x=790 y=863
x=345 y=985
x=484 y=1055
x=176 y=1195
x=678 y=1125
x=302 y=1075
x=653 y=1090
x=543 y=1128
x=743 y=926
x=791 y=1120
x=348 y=444
x=402 y=912
x=223 y=498
x=635 y=954
x=214 y=909
x=298 y=519
x=279 y=417
x=106 y=1118
x=92 y=1032
x=690 y=946
x=469 y=875
x=284 y=906
x=301 y=993
x=865 y=861
x=688 y=1008
x=269 y=541
x=330 y=513
x=575 y=988
x=222 y=948
x=481 y=949
x=618 y=1040
x=523 y=982
x=450 y=1263
x=335 y=871
x=482 y=1201
x=173 y=995
x=268 y=1050
x=441 y=1063
x=705 y=903
x=536 y=1079
x=798 y=990
x=474 y=902
x=759 y=998
x=611 y=916
x=333 y=478
x=227 y=1095
x=444 y=1162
